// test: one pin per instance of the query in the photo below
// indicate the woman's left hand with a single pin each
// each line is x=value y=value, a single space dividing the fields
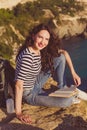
x=77 y=79
x=24 y=118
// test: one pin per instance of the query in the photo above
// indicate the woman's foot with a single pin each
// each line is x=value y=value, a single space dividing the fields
x=76 y=100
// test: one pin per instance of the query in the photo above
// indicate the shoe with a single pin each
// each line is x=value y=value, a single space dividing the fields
x=82 y=95
x=76 y=101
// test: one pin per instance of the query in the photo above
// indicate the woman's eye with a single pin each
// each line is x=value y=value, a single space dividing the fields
x=47 y=39
x=40 y=36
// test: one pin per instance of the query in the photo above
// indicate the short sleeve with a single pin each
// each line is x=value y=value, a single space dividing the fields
x=23 y=67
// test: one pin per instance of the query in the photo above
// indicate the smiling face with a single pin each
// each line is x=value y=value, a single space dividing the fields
x=41 y=39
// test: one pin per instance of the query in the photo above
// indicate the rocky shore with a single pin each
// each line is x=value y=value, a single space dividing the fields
x=44 y=118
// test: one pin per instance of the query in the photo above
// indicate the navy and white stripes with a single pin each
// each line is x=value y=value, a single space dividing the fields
x=27 y=68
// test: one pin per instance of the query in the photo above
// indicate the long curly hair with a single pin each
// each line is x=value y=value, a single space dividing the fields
x=49 y=52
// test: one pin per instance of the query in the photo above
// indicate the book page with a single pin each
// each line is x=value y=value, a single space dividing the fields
x=65 y=92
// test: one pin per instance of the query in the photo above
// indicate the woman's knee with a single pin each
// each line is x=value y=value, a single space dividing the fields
x=62 y=58
x=58 y=61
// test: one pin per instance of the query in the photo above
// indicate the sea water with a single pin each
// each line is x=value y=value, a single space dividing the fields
x=77 y=49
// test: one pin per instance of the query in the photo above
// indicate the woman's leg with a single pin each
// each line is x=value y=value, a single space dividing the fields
x=37 y=97
x=40 y=100
x=82 y=95
x=41 y=80
x=59 y=66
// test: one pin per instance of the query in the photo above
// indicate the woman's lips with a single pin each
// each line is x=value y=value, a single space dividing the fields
x=40 y=45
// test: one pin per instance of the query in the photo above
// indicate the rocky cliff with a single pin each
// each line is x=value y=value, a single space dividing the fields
x=68 y=27
x=14 y=26
x=72 y=26
x=47 y=118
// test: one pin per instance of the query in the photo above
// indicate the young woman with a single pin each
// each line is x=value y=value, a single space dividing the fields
x=39 y=58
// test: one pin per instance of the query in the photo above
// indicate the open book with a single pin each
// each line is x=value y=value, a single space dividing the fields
x=65 y=92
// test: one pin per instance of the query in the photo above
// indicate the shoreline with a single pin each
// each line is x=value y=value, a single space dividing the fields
x=73 y=39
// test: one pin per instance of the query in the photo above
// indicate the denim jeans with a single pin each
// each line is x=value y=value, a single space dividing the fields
x=38 y=97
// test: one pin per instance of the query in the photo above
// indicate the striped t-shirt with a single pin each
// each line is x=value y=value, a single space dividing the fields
x=27 y=68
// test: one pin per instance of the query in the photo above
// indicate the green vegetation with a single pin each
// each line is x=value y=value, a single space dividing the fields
x=24 y=16
x=5 y=51
x=34 y=10
x=6 y=16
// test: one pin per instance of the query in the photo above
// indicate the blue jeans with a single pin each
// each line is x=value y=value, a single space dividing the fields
x=38 y=97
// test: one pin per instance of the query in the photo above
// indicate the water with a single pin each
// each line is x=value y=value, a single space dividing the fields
x=77 y=49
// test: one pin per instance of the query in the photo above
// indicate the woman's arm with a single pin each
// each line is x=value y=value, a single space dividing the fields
x=76 y=78
x=18 y=103
x=18 y=96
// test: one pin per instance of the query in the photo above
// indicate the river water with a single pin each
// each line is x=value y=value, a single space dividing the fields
x=77 y=49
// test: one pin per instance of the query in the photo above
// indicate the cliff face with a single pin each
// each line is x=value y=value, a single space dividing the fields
x=47 y=118
x=12 y=34
x=71 y=26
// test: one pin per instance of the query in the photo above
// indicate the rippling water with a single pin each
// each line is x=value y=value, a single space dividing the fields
x=77 y=49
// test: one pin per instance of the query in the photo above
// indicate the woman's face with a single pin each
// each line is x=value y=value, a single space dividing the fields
x=41 y=39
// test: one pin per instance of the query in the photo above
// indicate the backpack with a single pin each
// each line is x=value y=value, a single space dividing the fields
x=7 y=75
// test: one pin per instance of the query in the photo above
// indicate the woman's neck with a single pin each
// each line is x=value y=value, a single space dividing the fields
x=34 y=50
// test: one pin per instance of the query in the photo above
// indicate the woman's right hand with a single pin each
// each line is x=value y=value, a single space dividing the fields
x=24 y=118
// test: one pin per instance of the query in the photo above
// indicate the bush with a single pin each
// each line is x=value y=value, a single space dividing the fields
x=6 y=16
x=5 y=51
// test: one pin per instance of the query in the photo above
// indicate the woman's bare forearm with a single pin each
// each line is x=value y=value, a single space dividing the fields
x=18 y=97
x=76 y=78
x=68 y=60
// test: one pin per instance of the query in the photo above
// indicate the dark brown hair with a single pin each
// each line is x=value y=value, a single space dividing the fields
x=29 y=39
x=49 y=52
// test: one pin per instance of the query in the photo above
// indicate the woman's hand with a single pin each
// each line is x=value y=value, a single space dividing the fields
x=77 y=79
x=24 y=118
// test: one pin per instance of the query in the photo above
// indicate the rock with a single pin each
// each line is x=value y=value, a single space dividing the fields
x=2 y=30
x=48 y=118
x=70 y=26
x=85 y=35
x=48 y=13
